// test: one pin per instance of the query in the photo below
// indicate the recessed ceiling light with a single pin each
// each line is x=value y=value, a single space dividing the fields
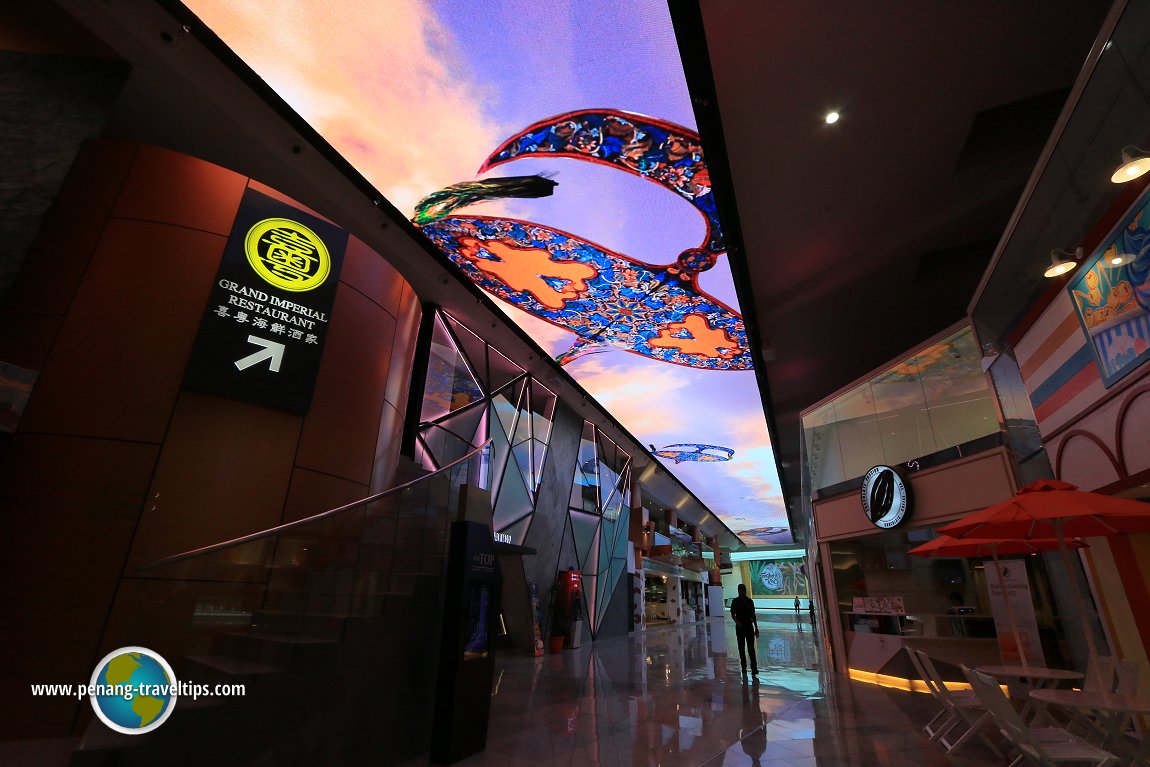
x=832 y=118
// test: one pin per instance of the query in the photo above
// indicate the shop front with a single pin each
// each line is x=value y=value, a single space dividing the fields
x=920 y=443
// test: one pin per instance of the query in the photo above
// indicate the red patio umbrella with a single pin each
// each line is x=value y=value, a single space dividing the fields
x=1051 y=508
x=949 y=546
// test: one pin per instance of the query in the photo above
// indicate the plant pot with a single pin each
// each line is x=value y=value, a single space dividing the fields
x=556 y=643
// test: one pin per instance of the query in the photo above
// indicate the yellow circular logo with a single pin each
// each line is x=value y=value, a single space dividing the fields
x=287 y=254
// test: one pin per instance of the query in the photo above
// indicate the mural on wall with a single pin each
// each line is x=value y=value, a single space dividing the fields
x=776 y=577
x=586 y=247
x=1111 y=295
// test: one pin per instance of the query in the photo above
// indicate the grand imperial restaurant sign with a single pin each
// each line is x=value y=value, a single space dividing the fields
x=262 y=335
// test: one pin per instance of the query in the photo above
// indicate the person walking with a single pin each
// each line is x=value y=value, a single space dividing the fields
x=746 y=628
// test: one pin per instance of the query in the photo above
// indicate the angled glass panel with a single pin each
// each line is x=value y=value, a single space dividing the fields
x=584 y=530
x=444 y=446
x=617 y=502
x=607 y=455
x=521 y=444
x=542 y=411
x=499 y=452
x=512 y=501
x=450 y=385
x=585 y=489
x=501 y=371
x=505 y=403
x=518 y=530
x=473 y=348
x=466 y=423
x=538 y=454
x=423 y=454
x=522 y=453
x=542 y=416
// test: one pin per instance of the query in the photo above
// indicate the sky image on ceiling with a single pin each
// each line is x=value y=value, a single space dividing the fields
x=461 y=114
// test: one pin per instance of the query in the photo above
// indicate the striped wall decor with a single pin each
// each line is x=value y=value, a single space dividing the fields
x=1058 y=367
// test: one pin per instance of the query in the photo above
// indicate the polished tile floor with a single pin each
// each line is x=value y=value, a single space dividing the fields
x=673 y=695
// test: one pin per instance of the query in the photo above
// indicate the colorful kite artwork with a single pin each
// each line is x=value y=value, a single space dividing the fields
x=695 y=452
x=607 y=299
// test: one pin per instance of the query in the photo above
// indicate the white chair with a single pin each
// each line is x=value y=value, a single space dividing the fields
x=966 y=711
x=934 y=728
x=1046 y=747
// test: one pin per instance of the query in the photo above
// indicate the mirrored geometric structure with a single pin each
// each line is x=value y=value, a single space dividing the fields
x=599 y=515
x=473 y=392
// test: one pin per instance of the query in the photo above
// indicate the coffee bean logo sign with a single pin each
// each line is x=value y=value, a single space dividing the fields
x=885 y=497
x=881 y=494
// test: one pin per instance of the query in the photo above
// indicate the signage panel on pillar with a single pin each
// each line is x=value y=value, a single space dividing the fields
x=262 y=335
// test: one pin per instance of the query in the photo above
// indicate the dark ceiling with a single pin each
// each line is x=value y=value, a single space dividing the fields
x=866 y=237
x=859 y=239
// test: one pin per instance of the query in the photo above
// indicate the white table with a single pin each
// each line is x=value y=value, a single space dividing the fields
x=1112 y=710
x=1039 y=677
x=1032 y=679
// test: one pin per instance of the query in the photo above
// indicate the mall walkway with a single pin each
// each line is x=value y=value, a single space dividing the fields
x=673 y=695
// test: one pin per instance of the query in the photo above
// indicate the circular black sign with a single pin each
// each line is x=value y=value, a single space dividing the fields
x=885 y=497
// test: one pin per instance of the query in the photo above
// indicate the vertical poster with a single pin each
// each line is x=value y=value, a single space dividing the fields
x=1017 y=624
x=262 y=334
x=536 y=629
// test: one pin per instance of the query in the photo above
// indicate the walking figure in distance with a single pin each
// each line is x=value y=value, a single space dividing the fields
x=746 y=628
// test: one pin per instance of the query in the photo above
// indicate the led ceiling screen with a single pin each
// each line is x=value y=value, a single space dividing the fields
x=549 y=149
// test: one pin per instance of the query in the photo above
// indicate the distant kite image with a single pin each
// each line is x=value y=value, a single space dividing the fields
x=695 y=452
x=610 y=301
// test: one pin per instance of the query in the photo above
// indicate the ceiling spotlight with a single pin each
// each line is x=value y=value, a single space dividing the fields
x=832 y=118
x=1135 y=162
x=1059 y=265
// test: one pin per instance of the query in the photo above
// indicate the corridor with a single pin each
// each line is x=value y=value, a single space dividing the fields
x=673 y=695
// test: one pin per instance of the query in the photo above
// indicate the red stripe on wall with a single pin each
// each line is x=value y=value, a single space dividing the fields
x=1069 y=390
x=1065 y=329
x=1134 y=583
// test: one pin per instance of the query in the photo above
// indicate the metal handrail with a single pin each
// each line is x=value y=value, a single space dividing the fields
x=300 y=522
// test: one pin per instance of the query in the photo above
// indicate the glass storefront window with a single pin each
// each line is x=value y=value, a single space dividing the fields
x=934 y=399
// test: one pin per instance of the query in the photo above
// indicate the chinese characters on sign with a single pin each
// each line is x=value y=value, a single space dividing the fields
x=261 y=338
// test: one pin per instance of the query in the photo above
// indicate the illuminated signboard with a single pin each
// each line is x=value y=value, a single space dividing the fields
x=262 y=335
x=463 y=113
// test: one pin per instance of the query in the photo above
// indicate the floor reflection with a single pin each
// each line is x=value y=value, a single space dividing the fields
x=674 y=695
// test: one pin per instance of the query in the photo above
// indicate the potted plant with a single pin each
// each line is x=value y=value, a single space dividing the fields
x=560 y=618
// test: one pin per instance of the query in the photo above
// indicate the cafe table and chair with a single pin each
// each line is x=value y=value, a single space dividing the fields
x=1111 y=711
x=1047 y=746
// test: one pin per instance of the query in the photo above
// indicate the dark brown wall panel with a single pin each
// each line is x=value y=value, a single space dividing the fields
x=403 y=349
x=312 y=492
x=169 y=187
x=73 y=226
x=26 y=341
x=340 y=432
x=387 y=449
x=366 y=271
x=223 y=472
x=117 y=364
x=68 y=508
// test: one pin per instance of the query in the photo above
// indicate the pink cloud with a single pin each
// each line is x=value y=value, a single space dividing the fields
x=366 y=76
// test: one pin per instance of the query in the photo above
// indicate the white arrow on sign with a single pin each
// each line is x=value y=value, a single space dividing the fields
x=270 y=350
